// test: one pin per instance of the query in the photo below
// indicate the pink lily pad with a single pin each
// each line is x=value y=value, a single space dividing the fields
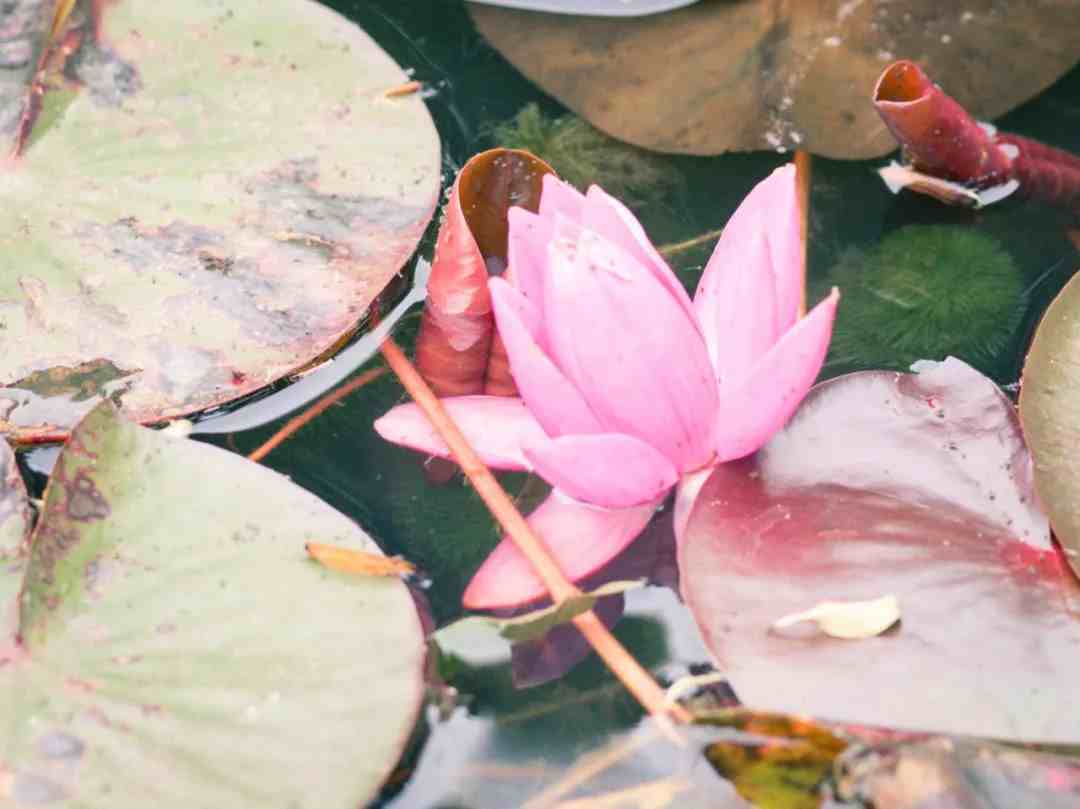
x=916 y=485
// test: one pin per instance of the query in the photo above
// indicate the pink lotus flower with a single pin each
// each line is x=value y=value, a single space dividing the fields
x=628 y=387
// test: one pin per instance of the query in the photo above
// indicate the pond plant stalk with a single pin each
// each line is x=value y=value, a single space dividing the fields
x=321 y=406
x=636 y=679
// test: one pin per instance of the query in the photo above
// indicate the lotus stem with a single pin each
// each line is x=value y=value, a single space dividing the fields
x=944 y=141
x=322 y=405
x=673 y=249
x=614 y=654
x=803 y=175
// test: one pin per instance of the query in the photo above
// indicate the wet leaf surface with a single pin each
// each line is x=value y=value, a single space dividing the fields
x=789 y=75
x=911 y=484
x=1050 y=412
x=179 y=648
x=958 y=774
x=209 y=199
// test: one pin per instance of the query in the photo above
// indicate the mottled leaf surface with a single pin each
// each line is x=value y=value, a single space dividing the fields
x=210 y=197
x=916 y=485
x=744 y=75
x=14 y=525
x=179 y=649
x=1050 y=413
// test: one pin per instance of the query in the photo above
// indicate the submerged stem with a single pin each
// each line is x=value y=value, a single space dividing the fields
x=296 y=422
x=673 y=249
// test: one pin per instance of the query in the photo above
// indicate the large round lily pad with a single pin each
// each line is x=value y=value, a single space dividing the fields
x=1050 y=413
x=744 y=75
x=211 y=195
x=916 y=486
x=178 y=649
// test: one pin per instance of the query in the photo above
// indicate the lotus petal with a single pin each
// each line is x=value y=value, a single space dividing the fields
x=581 y=538
x=610 y=469
x=753 y=410
x=495 y=426
x=751 y=289
x=629 y=347
x=560 y=197
x=615 y=222
x=526 y=252
x=552 y=398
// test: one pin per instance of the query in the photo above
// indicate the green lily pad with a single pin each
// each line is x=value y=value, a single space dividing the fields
x=178 y=649
x=210 y=197
x=1050 y=415
x=14 y=525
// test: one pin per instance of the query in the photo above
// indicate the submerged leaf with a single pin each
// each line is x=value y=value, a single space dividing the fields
x=176 y=648
x=775 y=762
x=912 y=484
x=535 y=624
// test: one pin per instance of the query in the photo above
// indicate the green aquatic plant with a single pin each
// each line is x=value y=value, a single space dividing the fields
x=926 y=292
x=583 y=155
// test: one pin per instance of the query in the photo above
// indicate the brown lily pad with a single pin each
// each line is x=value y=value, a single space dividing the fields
x=745 y=75
x=208 y=199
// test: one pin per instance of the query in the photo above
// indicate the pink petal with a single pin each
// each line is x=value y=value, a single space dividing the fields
x=581 y=538
x=496 y=426
x=559 y=197
x=752 y=411
x=615 y=222
x=526 y=251
x=758 y=259
x=630 y=348
x=552 y=398
x=609 y=469
x=739 y=317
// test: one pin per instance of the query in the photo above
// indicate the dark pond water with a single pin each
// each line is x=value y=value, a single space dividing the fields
x=498 y=746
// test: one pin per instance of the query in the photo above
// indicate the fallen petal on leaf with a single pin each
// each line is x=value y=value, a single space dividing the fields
x=850 y=620
x=349 y=560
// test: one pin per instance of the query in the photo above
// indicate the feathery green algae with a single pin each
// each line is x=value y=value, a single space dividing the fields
x=926 y=292
x=583 y=155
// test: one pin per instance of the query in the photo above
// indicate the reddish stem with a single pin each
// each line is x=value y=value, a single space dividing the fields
x=294 y=424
